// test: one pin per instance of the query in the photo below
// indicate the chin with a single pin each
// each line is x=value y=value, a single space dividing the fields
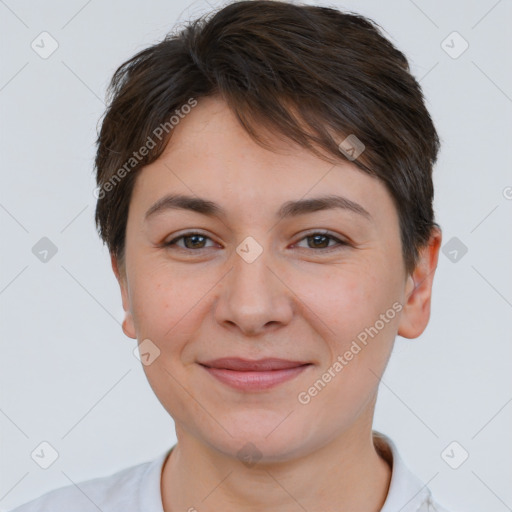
x=265 y=437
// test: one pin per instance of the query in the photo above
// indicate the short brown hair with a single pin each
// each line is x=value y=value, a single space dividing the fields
x=304 y=72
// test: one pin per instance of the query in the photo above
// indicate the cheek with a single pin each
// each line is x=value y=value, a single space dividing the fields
x=346 y=297
x=166 y=304
x=163 y=306
x=355 y=316
x=157 y=303
x=345 y=306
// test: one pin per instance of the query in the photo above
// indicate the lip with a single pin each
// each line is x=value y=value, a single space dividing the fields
x=253 y=365
x=254 y=375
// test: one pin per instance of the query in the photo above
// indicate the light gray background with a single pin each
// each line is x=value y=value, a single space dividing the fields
x=67 y=372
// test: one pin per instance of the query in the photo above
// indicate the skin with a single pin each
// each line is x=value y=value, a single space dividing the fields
x=298 y=300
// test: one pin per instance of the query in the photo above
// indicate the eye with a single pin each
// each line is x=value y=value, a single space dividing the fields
x=321 y=240
x=316 y=240
x=191 y=240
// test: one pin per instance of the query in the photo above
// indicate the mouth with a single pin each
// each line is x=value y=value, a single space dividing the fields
x=254 y=375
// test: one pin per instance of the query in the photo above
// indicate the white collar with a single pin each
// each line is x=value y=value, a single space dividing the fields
x=406 y=492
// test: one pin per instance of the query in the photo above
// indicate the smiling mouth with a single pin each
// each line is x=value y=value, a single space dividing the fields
x=254 y=375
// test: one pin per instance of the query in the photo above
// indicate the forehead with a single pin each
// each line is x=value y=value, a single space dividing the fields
x=210 y=155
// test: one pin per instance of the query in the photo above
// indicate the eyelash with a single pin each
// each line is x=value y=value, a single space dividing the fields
x=341 y=243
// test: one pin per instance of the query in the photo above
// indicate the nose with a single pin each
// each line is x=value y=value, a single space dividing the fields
x=253 y=297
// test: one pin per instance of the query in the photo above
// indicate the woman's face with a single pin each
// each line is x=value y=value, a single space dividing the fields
x=253 y=285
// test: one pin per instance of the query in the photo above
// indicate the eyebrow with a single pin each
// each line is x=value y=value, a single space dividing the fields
x=288 y=209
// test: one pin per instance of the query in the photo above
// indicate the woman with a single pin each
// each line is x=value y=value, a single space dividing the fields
x=265 y=191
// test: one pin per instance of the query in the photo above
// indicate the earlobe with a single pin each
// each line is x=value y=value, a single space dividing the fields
x=128 y=327
x=128 y=324
x=418 y=290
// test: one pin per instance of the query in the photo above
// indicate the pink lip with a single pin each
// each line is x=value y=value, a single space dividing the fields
x=256 y=365
x=246 y=375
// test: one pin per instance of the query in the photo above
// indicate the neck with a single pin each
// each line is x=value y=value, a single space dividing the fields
x=345 y=474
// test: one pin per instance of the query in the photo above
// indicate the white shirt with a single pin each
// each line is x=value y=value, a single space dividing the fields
x=137 y=489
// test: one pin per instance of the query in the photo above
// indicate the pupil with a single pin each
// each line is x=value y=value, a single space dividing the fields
x=316 y=237
x=194 y=244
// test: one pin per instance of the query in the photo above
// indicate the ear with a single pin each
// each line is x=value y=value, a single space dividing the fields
x=416 y=311
x=120 y=273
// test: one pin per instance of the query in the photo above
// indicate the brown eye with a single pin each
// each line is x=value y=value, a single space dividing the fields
x=190 y=241
x=319 y=240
